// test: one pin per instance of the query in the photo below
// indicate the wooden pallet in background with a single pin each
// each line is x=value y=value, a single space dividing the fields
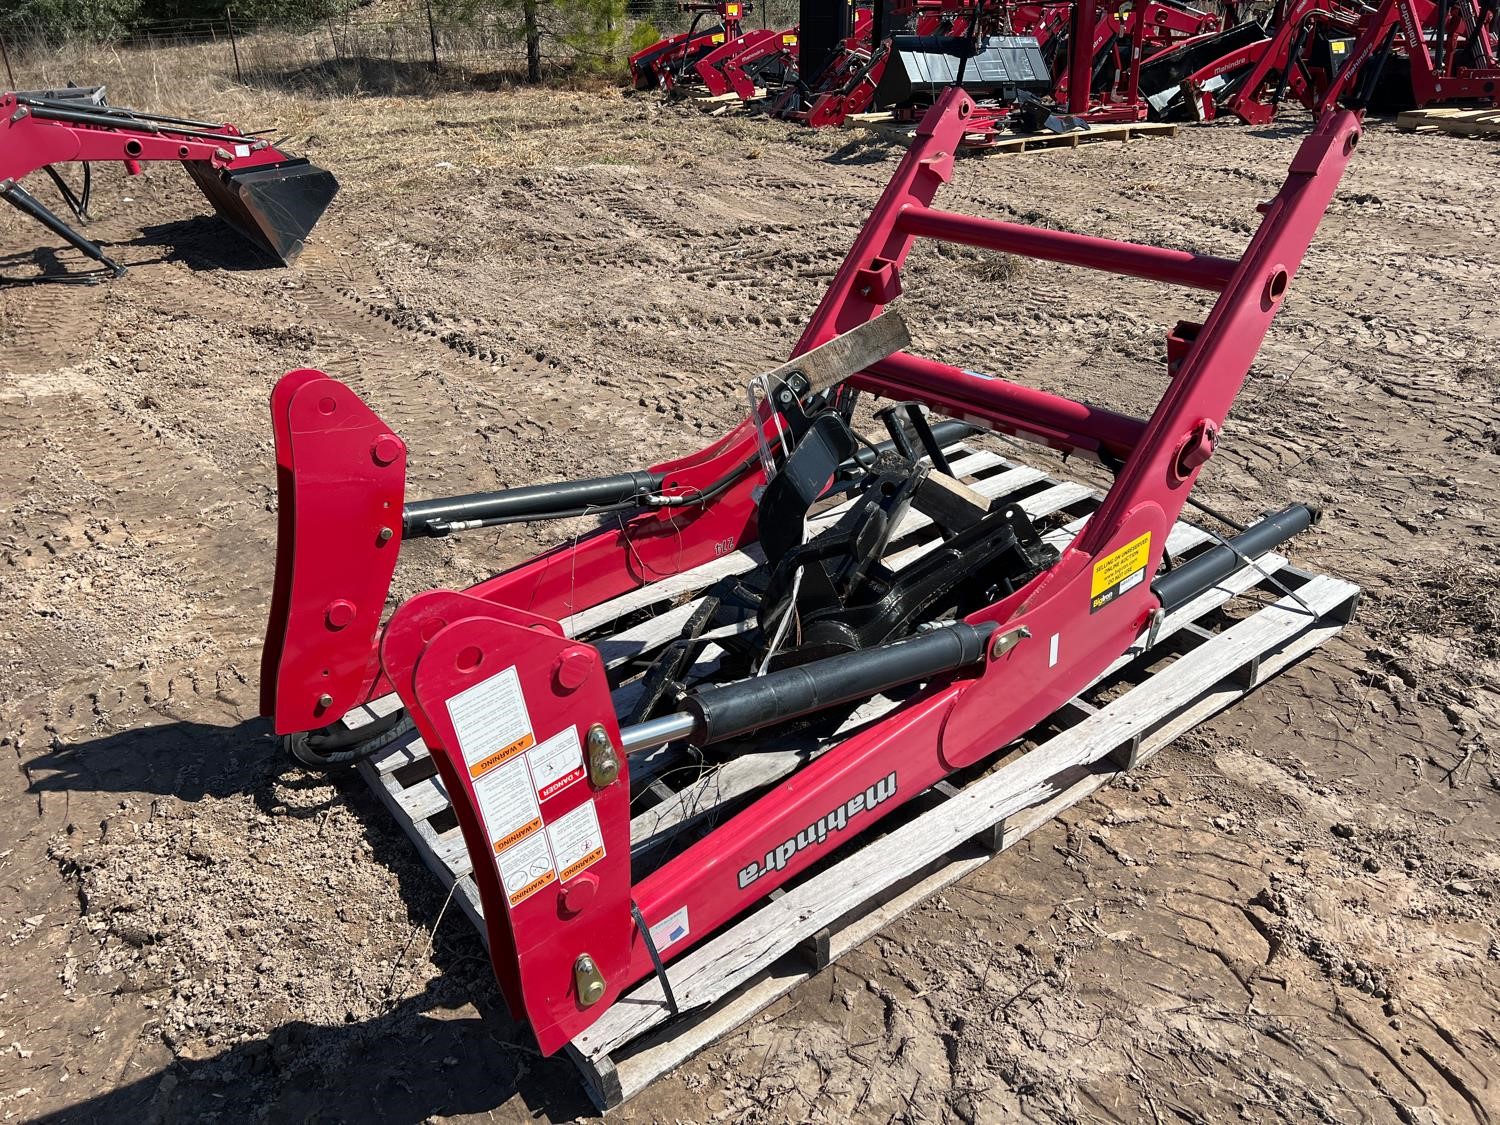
x=1464 y=122
x=704 y=98
x=886 y=124
x=1194 y=663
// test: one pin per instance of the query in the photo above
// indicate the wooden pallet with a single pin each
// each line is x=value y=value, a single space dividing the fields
x=1464 y=122
x=1194 y=663
x=887 y=124
x=704 y=98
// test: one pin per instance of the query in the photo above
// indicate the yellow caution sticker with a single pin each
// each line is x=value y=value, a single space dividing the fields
x=1119 y=571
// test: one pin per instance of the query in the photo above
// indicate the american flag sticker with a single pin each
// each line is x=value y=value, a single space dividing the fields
x=671 y=929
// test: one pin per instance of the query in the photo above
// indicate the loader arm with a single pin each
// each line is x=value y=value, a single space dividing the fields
x=271 y=198
x=978 y=642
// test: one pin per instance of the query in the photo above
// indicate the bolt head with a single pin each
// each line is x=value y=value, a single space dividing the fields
x=386 y=535
x=573 y=667
x=386 y=449
x=325 y=700
x=340 y=613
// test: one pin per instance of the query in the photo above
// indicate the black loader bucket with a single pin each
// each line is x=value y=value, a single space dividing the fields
x=275 y=206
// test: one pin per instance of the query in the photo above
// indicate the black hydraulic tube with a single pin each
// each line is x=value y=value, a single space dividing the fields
x=22 y=200
x=730 y=709
x=944 y=433
x=537 y=501
x=47 y=112
x=1179 y=586
x=430 y=518
x=64 y=99
x=1292 y=58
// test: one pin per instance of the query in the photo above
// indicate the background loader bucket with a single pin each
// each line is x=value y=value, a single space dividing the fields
x=275 y=206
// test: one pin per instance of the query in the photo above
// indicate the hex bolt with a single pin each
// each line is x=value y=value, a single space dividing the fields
x=604 y=765
x=386 y=449
x=588 y=980
x=325 y=701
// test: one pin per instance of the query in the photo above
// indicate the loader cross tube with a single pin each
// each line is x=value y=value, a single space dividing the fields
x=496 y=674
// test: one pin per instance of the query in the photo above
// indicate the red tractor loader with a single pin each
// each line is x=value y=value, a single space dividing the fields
x=270 y=197
x=782 y=545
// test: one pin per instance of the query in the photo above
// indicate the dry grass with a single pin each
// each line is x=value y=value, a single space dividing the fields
x=1458 y=601
x=386 y=129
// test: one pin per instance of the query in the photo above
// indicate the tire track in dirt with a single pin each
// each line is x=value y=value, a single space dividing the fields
x=48 y=325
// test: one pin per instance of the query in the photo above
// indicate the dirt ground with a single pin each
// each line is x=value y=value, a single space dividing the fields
x=1290 y=915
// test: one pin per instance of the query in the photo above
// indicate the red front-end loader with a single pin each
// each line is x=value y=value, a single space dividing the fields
x=804 y=617
x=270 y=197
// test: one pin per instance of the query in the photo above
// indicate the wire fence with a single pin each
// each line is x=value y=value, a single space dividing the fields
x=345 y=55
x=350 y=54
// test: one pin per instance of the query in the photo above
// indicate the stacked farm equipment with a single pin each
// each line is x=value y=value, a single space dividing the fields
x=842 y=60
x=672 y=63
x=270 y=197
x=1074 y=65
x=1400 y=54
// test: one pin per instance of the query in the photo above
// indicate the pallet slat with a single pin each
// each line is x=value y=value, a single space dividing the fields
x=885 y=123
x=1464 y=122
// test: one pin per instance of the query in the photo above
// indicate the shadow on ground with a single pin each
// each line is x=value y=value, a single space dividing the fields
x=201 y=242
x=186 y=760
x=44 y=265
x=204 y=242
x=427 y=1054
x=867 y=150
x=417 y=1061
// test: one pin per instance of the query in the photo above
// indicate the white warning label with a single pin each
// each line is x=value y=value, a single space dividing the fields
x=576 y=841
x=491 y=721
x=556 y=763
x=526 y=868
x=507 y=803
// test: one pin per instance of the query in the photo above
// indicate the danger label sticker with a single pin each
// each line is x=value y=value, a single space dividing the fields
x=507 y=804
x=1119 y=571
x=491 y=721
x=576 y=841
x=556 y=763
x=526 y=868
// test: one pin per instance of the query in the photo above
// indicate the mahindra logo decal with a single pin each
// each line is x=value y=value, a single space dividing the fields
x=818 y=832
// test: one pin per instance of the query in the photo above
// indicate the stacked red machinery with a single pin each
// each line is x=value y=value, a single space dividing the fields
x=491 y=675
x=1451 y=49
x=739 y=65
x=1106 y=71
x=1125 y=35
x=1401 y=54
x=671 y=62
x=272 y=198
x=846 y=83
